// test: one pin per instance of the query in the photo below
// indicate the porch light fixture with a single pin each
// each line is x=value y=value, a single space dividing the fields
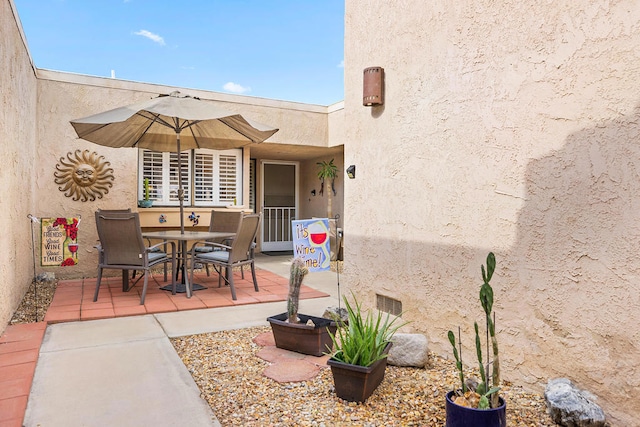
x=351 y=171
x=373 y=87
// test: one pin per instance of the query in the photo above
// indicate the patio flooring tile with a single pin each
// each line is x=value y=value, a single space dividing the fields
x=73 y=301
x=19 y=348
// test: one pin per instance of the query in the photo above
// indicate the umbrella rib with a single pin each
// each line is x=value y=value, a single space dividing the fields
x=222 y=120
x=193 y=133
x=155 y=117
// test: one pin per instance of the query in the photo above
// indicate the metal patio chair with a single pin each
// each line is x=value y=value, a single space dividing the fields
x=237 y=254
x=123 y=248
x=225 y=221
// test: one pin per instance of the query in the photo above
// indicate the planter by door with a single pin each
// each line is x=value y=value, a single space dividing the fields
x=312 y=340
x=461 y=416
x=356 y=383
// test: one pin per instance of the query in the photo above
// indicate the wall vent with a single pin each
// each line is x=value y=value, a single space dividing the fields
x=388 y=305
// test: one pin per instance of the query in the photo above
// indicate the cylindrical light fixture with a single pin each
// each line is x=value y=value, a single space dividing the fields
x=373 y=87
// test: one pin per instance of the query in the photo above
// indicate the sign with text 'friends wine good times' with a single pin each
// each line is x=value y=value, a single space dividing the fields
x=311 y=243
x=59 y=242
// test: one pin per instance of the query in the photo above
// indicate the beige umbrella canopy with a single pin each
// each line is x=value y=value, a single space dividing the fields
x=171 y=123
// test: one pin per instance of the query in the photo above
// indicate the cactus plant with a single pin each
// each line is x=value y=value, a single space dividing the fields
x=297 y=272
x=146 y=188
x=483 y=391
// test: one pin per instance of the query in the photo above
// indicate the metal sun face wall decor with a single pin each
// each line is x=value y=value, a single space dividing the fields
x=84 y=176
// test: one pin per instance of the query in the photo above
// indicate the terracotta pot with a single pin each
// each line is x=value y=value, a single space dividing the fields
x=356 y=383
x=461 y=416
x=298 y=337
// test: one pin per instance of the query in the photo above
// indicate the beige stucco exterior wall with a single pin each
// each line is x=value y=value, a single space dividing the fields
x=513 y=128
x=63 y=97
x=17 y=150
x=310 y=205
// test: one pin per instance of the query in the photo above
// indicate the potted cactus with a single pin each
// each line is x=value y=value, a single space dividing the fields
x=299 y=332
x=146 y=202
x=479 y=405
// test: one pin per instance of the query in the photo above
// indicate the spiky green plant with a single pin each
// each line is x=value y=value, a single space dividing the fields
x=297 y=272
x=363 y=340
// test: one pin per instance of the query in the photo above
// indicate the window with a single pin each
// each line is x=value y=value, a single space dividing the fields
x=209 y=177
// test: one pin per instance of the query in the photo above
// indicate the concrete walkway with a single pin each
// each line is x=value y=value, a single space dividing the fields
x=125 y=372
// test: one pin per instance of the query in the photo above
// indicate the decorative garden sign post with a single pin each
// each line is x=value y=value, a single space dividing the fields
x=311 y=243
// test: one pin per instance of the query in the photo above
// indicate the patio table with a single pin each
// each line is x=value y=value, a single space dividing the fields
x=183 y=238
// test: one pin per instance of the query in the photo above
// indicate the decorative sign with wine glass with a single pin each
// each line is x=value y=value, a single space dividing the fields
x=311 y=243
x=59 y=242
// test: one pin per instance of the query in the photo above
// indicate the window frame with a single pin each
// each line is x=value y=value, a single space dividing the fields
x=166 y=171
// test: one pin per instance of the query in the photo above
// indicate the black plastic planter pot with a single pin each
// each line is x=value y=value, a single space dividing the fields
x=301 y=338
x=461 y=416
x=355 y=383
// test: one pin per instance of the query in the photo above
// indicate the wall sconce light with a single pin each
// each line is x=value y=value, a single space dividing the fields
x=351 y=171
x=373 y=87
x=313 y=192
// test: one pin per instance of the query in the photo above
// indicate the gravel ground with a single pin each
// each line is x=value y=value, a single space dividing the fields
x=229 y=375
x=35 y=303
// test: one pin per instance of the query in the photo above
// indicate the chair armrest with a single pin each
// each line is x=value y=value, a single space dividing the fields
x=157 y=245
x=211 y=244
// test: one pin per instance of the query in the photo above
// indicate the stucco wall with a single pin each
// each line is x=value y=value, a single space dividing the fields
x=63 y=97
x=17 y=151
x=512 y=128
x=310 y=205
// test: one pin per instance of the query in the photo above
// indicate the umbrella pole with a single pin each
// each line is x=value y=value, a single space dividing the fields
x=183 y=243
x=180 y=189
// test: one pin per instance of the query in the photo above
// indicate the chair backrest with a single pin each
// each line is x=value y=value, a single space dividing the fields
x=114 y=210
x=245 y=235
x=226 y=221
x=121 y=238
x=110 y=211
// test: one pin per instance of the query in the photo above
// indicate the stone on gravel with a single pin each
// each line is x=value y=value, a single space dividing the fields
x=336 y=314
x=572 y=407
x=291 y=371
x=265 y=339
x=409 y=350
x=46 y=277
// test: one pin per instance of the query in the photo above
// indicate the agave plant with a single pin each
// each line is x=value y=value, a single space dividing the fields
x=363 y=340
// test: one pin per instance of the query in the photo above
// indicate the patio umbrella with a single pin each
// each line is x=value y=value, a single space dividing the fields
x=171 y=123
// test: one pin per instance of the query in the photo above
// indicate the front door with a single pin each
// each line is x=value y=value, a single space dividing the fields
x=279 y=202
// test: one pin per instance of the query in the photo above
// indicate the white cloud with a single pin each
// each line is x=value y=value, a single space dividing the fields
x=341 y=64
x=153 y=37
x=236 y=88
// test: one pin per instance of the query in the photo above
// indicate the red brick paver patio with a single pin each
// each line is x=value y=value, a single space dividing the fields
x=73 y=301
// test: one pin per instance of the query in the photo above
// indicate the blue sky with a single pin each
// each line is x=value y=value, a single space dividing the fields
x=291 y=50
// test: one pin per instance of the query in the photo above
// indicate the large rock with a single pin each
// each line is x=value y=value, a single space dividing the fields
x=572 y=407
x=336 y=314
x=409 y=350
